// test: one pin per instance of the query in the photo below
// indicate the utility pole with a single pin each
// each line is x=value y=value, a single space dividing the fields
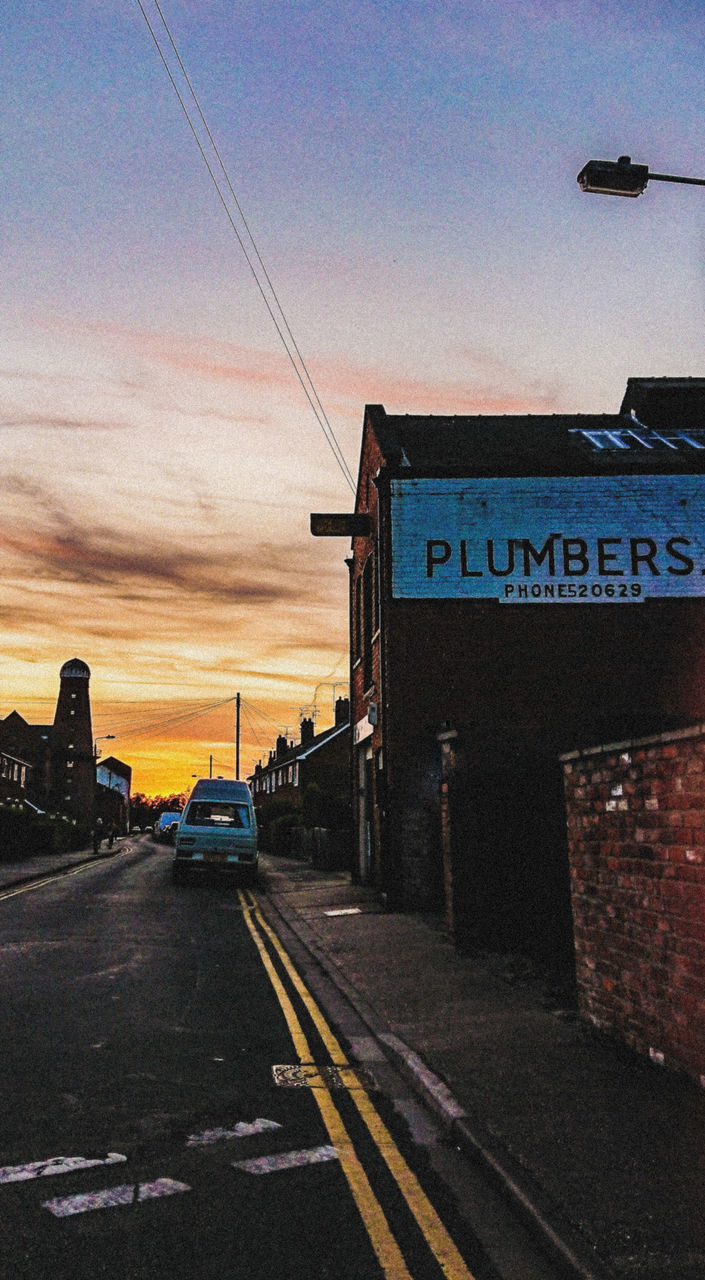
x=237 y=736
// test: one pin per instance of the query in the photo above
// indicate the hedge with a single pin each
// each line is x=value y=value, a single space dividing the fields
x=24 y=834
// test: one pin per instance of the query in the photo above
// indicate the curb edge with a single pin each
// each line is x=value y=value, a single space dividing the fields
x=561 y=1244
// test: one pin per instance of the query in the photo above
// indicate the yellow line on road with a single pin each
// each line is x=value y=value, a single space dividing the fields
x=371 y=1212
x=50 y=879
x=442 y=1246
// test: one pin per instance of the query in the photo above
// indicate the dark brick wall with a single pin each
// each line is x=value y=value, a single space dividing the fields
x=368 y=816
x=520 y=685
x=362 y=550
x=636 y=831
x=329 y=768
x=72 y=765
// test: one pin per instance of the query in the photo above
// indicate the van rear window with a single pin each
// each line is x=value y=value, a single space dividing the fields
x=217 y=813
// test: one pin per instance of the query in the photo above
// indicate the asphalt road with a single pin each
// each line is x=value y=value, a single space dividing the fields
x=145 y=1131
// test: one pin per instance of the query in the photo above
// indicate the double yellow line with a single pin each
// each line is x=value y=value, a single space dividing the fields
x=28 y=886
x=383 y=1242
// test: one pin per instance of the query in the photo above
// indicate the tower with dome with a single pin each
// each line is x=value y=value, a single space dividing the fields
x=72 y=783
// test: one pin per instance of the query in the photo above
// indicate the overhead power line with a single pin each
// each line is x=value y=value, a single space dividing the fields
x=148 y=728
x=257 y=267
x=263 y=715
x=252 y=729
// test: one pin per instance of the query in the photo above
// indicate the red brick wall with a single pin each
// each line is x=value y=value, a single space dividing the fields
x=636 y=829
x=362 y=548
x=362 y=692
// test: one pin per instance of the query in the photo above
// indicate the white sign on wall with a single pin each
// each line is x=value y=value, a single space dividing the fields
x=551 y=540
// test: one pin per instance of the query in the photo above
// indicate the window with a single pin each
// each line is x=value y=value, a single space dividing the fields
x=211 y=813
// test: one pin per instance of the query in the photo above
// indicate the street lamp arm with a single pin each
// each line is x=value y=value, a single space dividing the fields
x=670 y=177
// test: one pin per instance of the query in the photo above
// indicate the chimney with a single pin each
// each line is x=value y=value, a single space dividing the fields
x=307 y=734
x=282 y=746
x=342 y=710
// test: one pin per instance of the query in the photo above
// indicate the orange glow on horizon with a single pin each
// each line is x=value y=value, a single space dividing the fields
x=168 y=743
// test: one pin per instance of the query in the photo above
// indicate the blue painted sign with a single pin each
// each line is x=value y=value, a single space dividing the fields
x=549 y=540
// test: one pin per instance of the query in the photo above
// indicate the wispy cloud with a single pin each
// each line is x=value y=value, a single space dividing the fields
x=109 y=558
x=482 y=382
x=54 y=422
x=154 y=514
x=48 y=543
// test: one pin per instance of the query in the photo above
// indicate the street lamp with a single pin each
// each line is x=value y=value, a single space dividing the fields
x=622 y=178
x=103 y=738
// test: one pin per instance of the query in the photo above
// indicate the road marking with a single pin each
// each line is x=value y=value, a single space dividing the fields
x=57 y=1164
x=112 y=1197
x=437 y=1237
x=383 y=1242
x=53 y=877
x=287 y=1160
x=344 y=911
x=242 y=1130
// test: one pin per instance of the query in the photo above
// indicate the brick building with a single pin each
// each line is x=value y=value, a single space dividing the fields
x=14 y=776
x=319 y=759
x=30 y=742
x=112 y=792
x=520 y=587
x=62 y=775
x=72 y=784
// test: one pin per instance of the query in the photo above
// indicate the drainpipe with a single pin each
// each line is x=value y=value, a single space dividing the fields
x=447 y=739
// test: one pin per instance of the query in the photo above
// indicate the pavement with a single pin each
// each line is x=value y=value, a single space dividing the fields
x=52 y=864
x=601 y=1153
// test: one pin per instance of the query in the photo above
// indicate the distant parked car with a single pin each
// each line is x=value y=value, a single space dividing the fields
x=162 y=828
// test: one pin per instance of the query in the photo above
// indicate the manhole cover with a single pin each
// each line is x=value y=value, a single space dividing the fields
x=308 y=1075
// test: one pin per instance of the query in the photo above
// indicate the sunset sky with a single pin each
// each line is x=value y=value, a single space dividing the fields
x=408 y=173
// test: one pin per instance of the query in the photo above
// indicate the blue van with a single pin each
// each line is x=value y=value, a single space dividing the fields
x=165 y=827
x=217 y=831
